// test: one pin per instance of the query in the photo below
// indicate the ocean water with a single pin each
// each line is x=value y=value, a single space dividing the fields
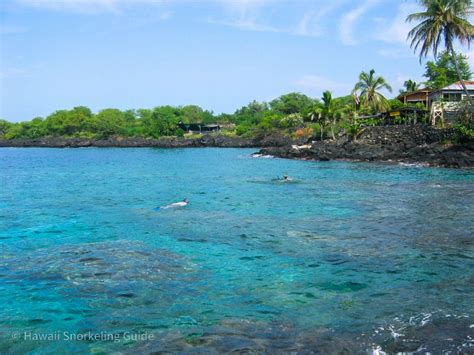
x=346 y=257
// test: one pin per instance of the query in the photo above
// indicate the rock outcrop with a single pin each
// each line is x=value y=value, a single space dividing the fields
x=207 y=140
x=410 y=144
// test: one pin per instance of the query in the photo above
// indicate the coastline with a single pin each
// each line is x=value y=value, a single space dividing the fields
x=418 y=144
x=412 y=144
x=206 y=140
x=121 y=142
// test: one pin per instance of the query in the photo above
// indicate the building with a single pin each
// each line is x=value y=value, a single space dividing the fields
x=452 y=93
x=445 y=101
x=442 y=103
x=198 y=127
x=415 y=97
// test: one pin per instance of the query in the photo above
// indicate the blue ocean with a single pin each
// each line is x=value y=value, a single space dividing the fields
x=354 y=257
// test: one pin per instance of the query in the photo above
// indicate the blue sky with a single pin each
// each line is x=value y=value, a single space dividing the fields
x=219 y=54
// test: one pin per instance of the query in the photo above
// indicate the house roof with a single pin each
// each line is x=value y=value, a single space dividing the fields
x=457 y=86
x=427 y=90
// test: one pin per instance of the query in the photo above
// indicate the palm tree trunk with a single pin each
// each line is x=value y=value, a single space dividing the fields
x=456 y=65
x=332 y=128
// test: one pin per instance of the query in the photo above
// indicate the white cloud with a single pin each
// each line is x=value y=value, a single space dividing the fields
x=317 y=84
x=396 y=31
x=349 y=20
x=302 y=28
x=244 y=15
x=310 y=23
x=249 y=15
x=246 y=24
x=243 y=6
x=86 y=6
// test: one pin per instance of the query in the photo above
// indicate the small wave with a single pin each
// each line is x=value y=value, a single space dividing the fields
x=263 y=156
x=436 y=332
x=413 y=165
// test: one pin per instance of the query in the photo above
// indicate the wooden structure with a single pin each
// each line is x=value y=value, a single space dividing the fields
x=418 y=96
x=410 y=115
x=444 y=103
x=437 y=113
x=198 y=127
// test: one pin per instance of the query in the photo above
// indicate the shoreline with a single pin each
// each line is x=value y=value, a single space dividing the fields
x=120 y=142
x=206 y=140
x=418 y=144
x=414 y=144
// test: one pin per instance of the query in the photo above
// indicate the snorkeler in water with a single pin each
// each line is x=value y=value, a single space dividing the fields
x=183 y=203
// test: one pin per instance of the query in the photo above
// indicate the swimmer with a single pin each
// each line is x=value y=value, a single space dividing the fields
x=183 y=203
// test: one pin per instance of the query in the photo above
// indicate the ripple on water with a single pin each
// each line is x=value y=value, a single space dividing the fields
x=424 y=333
x=250 y=265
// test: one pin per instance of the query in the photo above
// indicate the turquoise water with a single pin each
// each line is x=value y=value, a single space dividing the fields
x=350 y=256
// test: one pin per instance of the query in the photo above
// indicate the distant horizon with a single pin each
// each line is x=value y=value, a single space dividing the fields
x=217 y=54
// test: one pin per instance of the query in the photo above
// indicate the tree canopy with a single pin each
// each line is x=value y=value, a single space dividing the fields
x=442 y=71
x=442 y=22
x=368 y=88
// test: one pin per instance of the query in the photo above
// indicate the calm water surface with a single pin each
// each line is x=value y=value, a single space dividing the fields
x=348 y=256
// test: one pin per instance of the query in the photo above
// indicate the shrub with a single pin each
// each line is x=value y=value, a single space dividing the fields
x=304 y=132
x=242 y=129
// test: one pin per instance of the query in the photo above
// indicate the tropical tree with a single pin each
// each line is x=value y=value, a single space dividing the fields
x=329 y=110
x=109 y=121
x=292 y=103
x=442 y=21
x=4 y=127
x=409 y=86
x=291 y=121
x=442 y=72
x=314 y=115
x=368 y=89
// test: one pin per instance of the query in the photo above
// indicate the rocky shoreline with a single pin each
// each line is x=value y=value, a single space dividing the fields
x=410 y=144
x=418 y=144
x=120 y=142
x=209 y=140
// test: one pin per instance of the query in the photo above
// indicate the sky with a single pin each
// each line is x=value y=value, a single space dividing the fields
x=218 y=54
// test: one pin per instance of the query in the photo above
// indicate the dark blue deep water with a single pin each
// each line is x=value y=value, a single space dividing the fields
x=347 y=256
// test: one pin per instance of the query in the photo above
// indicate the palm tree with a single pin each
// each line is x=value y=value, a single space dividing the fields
x=315 y=115
x=442 y=21
x=410 y=86
x=368 y=89
x=329 y=110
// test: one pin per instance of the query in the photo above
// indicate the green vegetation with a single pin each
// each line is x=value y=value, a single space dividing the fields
x=293 y=114
x=410 y=86
x=81 y=122
x=442 y=72
x=368 y=88
x=442 y=21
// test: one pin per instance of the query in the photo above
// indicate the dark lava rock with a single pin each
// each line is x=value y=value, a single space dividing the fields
x=207 y=140
x=410 y=144
x=174 y=142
